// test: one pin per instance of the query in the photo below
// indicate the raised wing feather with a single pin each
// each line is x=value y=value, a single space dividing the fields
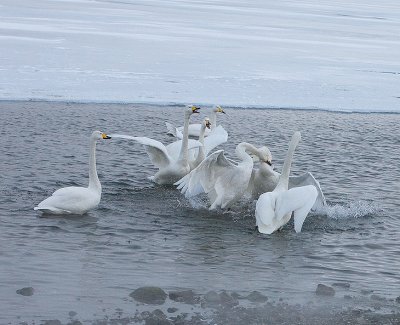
x=203 y=177
x=156 y=150
x=174 y=149
x=309 y=179
x=216 y=137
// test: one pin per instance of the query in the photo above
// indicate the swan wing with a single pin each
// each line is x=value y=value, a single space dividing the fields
x=70 y=200
x=298 y=200
x=156 y=150
x=174 y=149
x=172 y=130
x=309 y=179
x=203 y=177
x=216 y=137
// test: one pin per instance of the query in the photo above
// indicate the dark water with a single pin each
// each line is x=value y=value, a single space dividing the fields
x=145 y=234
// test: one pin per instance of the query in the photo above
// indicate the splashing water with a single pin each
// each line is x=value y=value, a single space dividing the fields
x=355 y=209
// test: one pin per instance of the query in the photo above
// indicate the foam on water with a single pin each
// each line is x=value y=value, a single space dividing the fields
x=353 y=209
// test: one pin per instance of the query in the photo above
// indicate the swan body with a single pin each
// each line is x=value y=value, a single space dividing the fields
x=170 y=167
x=274 y=209
x=73 y=199
x=265 y=179
x=195 y=129
x=224 y=181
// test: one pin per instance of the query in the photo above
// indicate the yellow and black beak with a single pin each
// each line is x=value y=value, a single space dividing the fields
x=105 y=136
x=195 y=109
x=208 y=124
x=220 y=110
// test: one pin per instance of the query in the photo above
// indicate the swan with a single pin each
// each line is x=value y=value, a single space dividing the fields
x=77 y=200
x=265 y=179
x=224 y=181
x=274 y=209
x=170 y=168
x=195 y=129
x=197 y=154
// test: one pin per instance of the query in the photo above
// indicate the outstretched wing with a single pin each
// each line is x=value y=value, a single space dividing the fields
x=216 y=137
x=156 y=150
x=174 y=149
x=309 y=179
x=172 y=130
x=203 y=177
x=298 y=200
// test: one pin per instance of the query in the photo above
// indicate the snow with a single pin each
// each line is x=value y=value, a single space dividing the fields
x=335 y=55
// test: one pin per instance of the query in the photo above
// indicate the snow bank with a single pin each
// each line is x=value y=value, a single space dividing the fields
x=339 y=55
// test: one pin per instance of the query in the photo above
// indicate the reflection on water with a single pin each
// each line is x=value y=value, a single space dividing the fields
x=145 y=234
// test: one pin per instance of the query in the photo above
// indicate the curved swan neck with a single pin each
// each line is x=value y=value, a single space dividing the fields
x=213 y=119
x=183 y=155
x=241 y=151
x=94 y=182
x=284 y=178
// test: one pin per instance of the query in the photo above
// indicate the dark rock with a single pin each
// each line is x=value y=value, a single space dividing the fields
x=186 y=296
x=212 y=297
x=344 y=285
x=378 y=298
x=52 y=322
x=172 y=310
x=157 y=317
x=228 y=300
x=149 y=295
x=72 y=313
x=28 y=291
x=255 y=296
x=159 y=313
x=323 y=290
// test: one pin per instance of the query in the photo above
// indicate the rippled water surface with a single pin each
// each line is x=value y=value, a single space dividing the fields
x=146 y=234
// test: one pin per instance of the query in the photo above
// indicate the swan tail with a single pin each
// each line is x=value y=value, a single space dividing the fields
x=51 y=210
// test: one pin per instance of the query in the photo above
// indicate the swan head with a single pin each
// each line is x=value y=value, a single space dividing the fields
x=218 y=109
x=265 y=155
x=207 y=123
x=100 y=135
x=192 y=109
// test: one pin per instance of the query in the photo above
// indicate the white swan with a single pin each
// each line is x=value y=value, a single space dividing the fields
x=170 y=168
x=224 y=181
x=274 y=209
x=77 y=200
x=265 y=179
x=197 y=154
x=195 y=129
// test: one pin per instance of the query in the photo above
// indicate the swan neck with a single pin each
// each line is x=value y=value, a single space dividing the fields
x=94 y=182
x=241 y=151
x=284 y=178
x=183 y=155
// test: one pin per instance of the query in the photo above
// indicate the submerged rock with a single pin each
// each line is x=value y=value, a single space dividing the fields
x=172 y=310
x=255 y=296
x=324 y=290
x=212 y=297
x=27 y=291
x=185 y=296
x=149 y=295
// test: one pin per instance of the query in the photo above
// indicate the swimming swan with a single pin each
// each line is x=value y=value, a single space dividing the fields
x=274 y=209
x=170 y=168
x=224 y=181
x=265 y=179
x=195 y=129
x=77 y=200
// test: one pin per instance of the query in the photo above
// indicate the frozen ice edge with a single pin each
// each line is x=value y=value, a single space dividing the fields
x=205 y=104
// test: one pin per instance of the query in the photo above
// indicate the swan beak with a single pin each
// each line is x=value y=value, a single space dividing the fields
x=269 y=163
x=105 y=136
x=208 y=124
x=195 y=109
x=220 y=110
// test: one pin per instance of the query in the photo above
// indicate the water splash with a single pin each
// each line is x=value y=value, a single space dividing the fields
x=354 y=209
